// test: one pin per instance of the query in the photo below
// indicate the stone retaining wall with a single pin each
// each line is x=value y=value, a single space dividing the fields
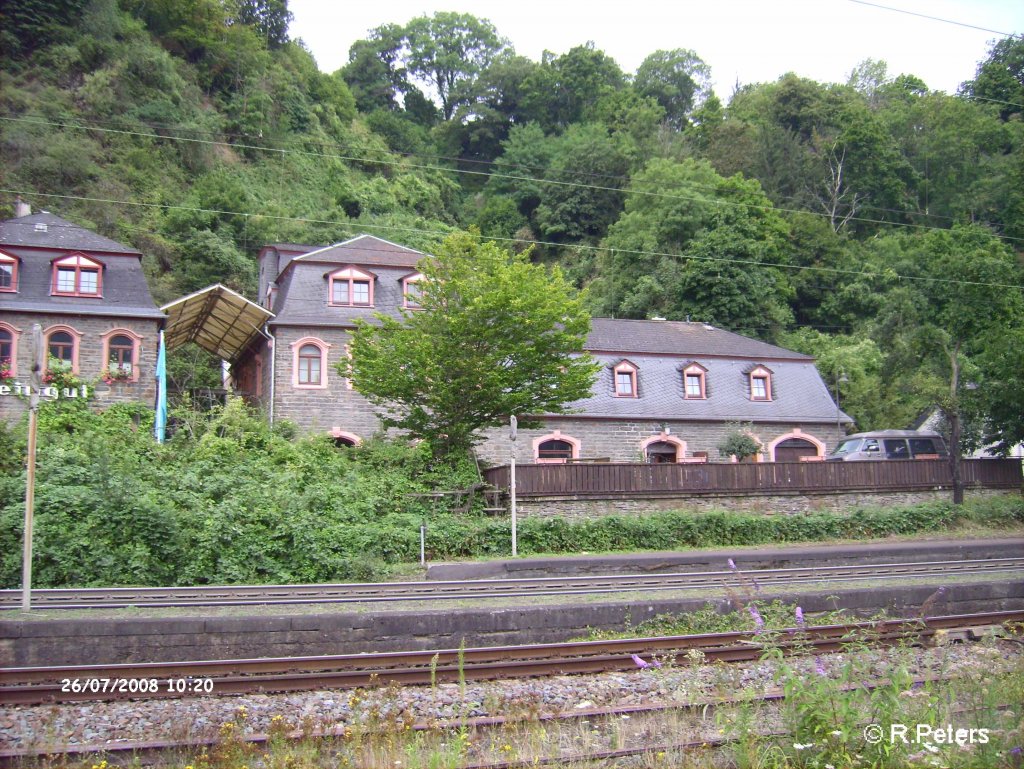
x=25 y=643
x=748 y=502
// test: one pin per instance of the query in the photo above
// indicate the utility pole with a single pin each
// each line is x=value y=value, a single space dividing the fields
x=512 y=483
x=36 y=383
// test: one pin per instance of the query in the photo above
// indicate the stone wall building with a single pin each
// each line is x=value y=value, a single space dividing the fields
x=90 y=298
x=667 y=391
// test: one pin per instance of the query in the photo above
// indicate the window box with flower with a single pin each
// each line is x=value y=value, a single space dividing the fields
x=117 y=374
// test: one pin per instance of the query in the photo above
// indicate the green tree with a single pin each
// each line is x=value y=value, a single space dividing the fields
x=496 y=337
x=678 y=80
x=448 y=51
x=269 y=17
x=958 y=297
x=374 y=72
x=691 y=242
x=1000 y=78
x=564 y=89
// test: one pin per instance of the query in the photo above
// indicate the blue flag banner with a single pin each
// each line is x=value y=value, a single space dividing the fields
x=160 y=422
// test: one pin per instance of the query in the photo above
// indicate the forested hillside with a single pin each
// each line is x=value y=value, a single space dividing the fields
x=875 y=224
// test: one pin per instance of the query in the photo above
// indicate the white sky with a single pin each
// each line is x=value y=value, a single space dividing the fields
x=749 y=41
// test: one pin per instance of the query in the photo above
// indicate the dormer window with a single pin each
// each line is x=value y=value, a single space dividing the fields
x=760 y=384
x=624 y=377
x=411 y=290
x=351 y=287
x=695 y=382
x=77 y=275
x=8 y=272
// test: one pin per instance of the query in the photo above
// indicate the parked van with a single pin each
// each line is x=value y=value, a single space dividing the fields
x=890 y=444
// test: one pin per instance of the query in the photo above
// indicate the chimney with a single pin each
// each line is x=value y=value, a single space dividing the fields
x=21 y=208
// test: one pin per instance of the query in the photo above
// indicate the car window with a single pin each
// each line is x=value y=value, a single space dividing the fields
x=870 y=445
x=922 y=446
x=847 y=446
x=896 y=448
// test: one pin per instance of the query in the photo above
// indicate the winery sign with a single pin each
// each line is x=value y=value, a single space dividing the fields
x=49 y=392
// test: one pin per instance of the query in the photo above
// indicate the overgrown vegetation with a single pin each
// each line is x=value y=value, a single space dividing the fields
x=835 y=218
x=229 y=500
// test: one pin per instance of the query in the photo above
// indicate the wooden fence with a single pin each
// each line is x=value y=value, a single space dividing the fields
x=591 y=480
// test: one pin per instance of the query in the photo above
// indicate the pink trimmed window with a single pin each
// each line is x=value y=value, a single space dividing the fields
x=555 y=448
x=309 y=363
x=121 y=355
x=77 y=275
x=62 y=348
x=695 y=382
x=411 y=291
x=624 y=378
x=8 y=350
x=8 y=273
x=311 y=359
x=351 y=287
x=760 y=384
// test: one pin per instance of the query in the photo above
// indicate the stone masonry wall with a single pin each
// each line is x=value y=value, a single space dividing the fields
x=90 y=358
x=620 y=441
x=775 y=504
x=335 y=408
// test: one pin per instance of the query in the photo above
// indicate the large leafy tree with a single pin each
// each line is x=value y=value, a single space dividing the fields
x=678 y=80
x=496 y=337
x=448 y=51
x=1000 y=78
x=692 y=243
x=374 y=72
x=958 y=297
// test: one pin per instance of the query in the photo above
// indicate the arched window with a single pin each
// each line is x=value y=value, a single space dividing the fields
x=121 y=355
x=555 y=447
x=8 y=351
x=663 y=448
x=61 y=347
x=340 y=438
x=309 y=363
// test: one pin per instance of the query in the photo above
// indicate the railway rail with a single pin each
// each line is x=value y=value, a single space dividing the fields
x=262 y=595
x=178 y=679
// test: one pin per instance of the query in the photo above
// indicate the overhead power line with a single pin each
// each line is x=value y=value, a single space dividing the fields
x=488 y=174
x=522 y=241
x=933 y=18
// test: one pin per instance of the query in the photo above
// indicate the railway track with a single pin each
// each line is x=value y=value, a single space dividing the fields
x=262 y=595
x=224 y=677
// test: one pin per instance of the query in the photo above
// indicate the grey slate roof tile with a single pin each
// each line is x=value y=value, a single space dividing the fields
x=45 y=230
x=124 y=288
x=678 y=338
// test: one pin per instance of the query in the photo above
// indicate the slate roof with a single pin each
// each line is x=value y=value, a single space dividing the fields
x=365 y=250
x=798 y=392
x=44 y=230
x=679 y=338
x=302 y=288
x=125 y=291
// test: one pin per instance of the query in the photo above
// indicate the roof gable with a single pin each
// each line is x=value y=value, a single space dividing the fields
x=364 y=250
